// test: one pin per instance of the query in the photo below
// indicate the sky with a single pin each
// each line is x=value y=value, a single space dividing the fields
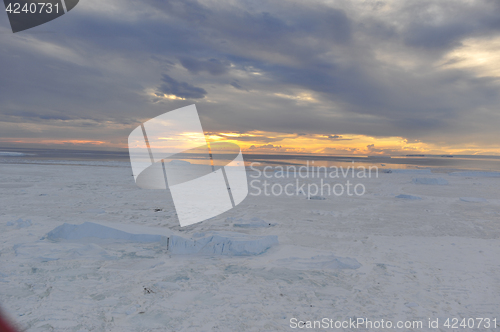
x=322 y=77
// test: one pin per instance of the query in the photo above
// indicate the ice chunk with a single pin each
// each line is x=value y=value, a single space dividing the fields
x=317 y=198
x=92 y=230
x=404 y=196
x=19 y=223
x=477 y=174
x=438 y=181
x=320 y=262
x=132 y=309
x=408 y=171
x=473 y=199
x=255 y=222
x=218 y=243
x=222 y=243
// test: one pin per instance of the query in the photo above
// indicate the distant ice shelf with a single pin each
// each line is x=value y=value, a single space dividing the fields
x=12 y=154
x=477 y=174
x=407 y=171
x=430 y=181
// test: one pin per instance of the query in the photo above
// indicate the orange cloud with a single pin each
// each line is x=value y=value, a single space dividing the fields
x=336 y=144
x=53 y=141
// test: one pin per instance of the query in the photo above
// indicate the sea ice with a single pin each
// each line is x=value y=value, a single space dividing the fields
x=320 y=262
x=476 y=174
x=44 y=252
x=218 y=243
x=404 y=196
x=222 y=243
x=96 y=211
x=473 y=199
x=408 y=171
x=255 y=222
x=19 y=223
x=318 y=198
x=11 y=154
x=411 y=304
x=177 y=162
x=438 y=181
x=92 y=230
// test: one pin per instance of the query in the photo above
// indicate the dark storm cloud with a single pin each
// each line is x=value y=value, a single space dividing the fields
x=39 y=115
x=212 y=66
x=236 y=84
x=171 y=86
x=261 y=25
x=441 y=25
x=443 y=36
x=238 y=56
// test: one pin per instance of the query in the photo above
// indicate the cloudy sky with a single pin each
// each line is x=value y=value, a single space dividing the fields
x=335 y=77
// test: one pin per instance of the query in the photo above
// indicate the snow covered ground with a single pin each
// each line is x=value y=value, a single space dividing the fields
x=408 y=249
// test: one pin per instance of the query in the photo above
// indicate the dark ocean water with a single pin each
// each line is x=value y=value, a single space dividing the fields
x=121 y=158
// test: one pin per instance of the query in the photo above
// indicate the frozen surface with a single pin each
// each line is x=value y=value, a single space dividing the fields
x=408 y=171
x=93 y=230
x=473 y=199
x=411 y=197
x=371 y=256
x=254 y=222
x=320 y=262
x=222 y=243
x=20 y=223
x=431 y=181
x=11 y=154
x=477 y=174
x=317 y=198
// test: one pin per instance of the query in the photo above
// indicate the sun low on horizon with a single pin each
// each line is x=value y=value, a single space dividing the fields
x=267 y=143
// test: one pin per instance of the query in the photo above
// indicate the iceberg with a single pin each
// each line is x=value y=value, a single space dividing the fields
x=216 y=243
x=222 y=243
x=93 y=230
